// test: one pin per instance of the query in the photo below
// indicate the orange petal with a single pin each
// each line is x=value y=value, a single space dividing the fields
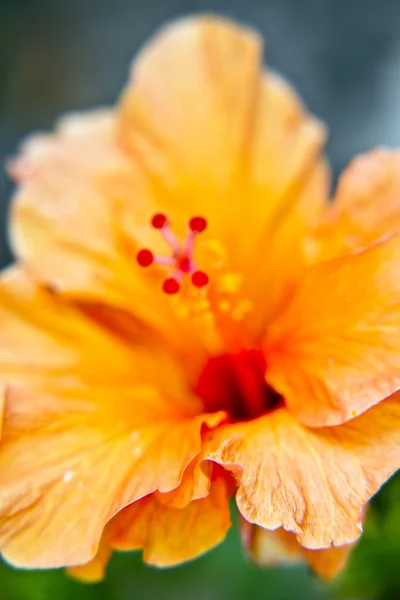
x=195 y=485
x=313 y=483
x=95 y=570
x=187 y=113
x=246 y=119
x=366 y=204
x=284 y=241
x=328 y=563
x=270 y=548
x=85 y=431
x=87 y=192
x=83 y=205
x=67 y=465
x=285 y=201
x=334 y=352
x=66 y=218
x=170 y=536
x=47 y=341
x=2 y=407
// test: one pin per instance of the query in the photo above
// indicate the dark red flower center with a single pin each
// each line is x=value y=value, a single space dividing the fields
x=236 y=383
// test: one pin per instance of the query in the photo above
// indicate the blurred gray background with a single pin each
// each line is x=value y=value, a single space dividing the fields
x=342 y=55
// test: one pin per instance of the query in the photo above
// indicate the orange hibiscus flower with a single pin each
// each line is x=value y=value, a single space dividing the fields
x=191 y=319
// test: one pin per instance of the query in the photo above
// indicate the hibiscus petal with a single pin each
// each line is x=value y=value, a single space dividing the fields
x=45 y=339
x=334 y=352
x=66 y=219
x=66 y=470
x=2 y=407
x=195 y=485
x=289 y=190
x=366 y=205
x=246 y=153
x=312 y=482
x=284 y=240
x=85 y=431
x=270 y=548
x=252 y=155
x=83 y=205
x=187 y=112
x=330 y=562
x=95 y=570
x=169 y=536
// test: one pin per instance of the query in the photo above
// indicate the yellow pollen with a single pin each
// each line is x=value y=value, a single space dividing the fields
x=242 y=308
x=201 y=306
x=213 y=253
x=230 y=283
x=224 y=306
x=216 y=311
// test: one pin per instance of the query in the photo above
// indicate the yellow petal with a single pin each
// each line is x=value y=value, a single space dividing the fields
x=312 y=482
x=334 y=352
x=169 y=536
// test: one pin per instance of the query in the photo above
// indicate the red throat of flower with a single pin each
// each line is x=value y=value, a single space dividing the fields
x=236 y=383
x=181 y=261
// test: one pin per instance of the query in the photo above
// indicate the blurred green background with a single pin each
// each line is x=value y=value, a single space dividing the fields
x=344 y=58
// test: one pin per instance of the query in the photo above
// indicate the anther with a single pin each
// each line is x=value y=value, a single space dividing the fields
x=145 y=257
x=198 y=224
x=171 y=286
x=200 y=279
x=159 y=221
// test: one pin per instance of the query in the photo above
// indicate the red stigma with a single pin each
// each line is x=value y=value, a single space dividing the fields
x=145 y=257
x=200 y=279
x=159 y=221
x=198 y=224
x=171 y=286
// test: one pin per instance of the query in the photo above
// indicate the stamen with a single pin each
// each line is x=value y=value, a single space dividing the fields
x=164 y=261
x=145 y=257
x=182 y=254
x=171 y=286
x=159 y=221
x=189 y=244
x=198 y=224
x=200 y=279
